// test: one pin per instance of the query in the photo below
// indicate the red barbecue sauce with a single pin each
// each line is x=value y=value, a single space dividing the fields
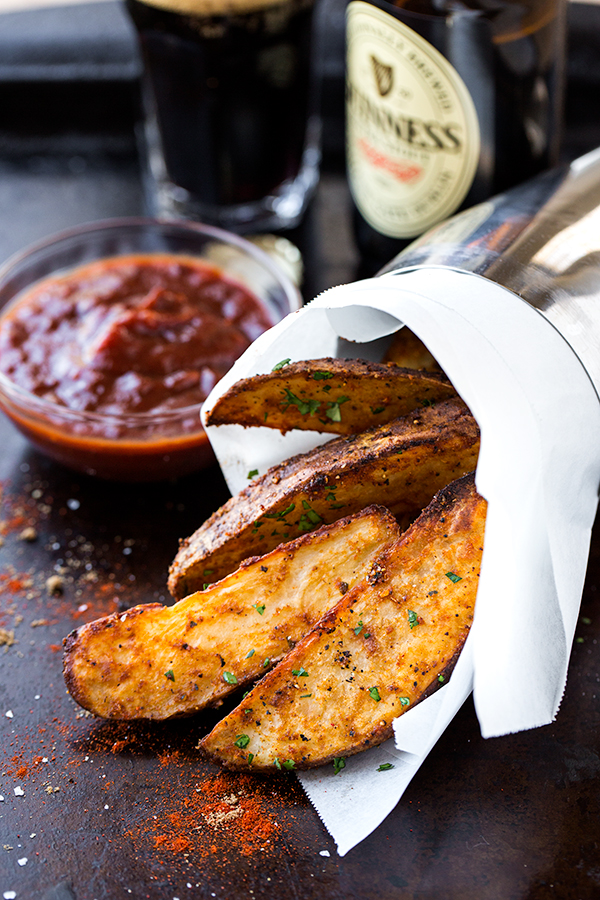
x=147 y=334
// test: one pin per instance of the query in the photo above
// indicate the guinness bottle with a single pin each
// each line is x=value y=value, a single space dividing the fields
x=448 y=103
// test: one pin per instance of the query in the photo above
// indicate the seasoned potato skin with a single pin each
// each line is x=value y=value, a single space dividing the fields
x=406 y=349
x=401 y=464
x=336 y=396
x=156 y=662
x=374 y=655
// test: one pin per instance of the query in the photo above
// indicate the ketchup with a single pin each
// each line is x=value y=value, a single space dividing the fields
x=149 y=334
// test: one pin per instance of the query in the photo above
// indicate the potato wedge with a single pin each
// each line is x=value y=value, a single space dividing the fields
x=401 y=464
x=384 y=647
x=155 y=662
x=406 y=349
x=337 y=396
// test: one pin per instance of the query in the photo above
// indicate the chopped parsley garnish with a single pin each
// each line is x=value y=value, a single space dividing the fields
x=289 y=764
x=413 y=619
x=205 y=585
x=252 y=473
x=333 y=411
x=385 y=767
x=259 y=607
x=453 y=578
x=404 y=701
x=267 y=662
x=305 y=407
x=276 y=763
x=322 y=376
x=374 y=694
x=301 y=672
x=251 y=653
x=339 y=763
x=250 y=757
x=309 y=519
x=377 y=409
x=358 y=628
x=312 y=515
x=208 y=572
x=281 y=364
x=281 y=514
x=242 y=741
x=441 y=679
x=170 y=675
x=230 y=678
x=302 y=696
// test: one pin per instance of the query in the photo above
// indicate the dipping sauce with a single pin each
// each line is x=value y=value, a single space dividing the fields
x=121 y=353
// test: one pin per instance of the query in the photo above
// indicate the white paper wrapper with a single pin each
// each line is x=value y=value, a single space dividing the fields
x=539 y=470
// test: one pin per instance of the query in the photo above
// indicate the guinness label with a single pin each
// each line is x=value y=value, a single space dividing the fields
x=411 y=127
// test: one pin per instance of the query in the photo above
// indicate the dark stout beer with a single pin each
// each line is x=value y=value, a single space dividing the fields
x=228 y=106
x=448 y=103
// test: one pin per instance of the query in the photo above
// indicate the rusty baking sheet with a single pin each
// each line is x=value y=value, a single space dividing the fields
x=94 y=810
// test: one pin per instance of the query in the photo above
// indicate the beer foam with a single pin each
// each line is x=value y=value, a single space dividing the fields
x=214 y=7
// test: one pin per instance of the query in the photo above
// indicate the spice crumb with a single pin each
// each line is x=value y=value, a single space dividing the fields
x=7 y=638
x=222 y=817
x=28 y=534
x=55 y=584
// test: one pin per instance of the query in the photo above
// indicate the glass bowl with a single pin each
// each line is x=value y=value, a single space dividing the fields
x=130 y=446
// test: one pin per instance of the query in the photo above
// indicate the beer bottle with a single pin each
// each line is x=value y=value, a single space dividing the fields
x=448 y=103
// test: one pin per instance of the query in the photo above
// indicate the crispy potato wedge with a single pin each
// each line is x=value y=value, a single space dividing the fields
x=337 y=396
x=406 y=349
x=373 y=656
x=155 y=662
x=401 y=464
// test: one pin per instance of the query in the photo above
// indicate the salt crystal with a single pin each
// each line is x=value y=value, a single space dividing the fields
x=106 y=806
x=19 y=792
x=73 y=504
x=1 y=798
x=9 y=895
x=22 y=861
x=324 y=853
x=9 y=714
